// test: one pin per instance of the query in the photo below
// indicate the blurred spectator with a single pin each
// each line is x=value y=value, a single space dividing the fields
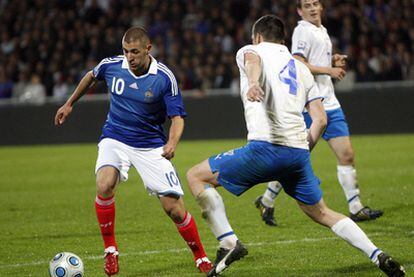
x=35 y=92
x=6 y=85
x=223 y=77
x=60 y=89
x=197 y=39
x=364 y=73
x=20 y=87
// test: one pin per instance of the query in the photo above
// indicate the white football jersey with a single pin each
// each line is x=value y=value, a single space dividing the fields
x=313 y=43
x=288 y=85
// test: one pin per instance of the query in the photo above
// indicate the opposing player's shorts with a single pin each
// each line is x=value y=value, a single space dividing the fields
x=336 y=127
x=260 y=161
x=157 y=173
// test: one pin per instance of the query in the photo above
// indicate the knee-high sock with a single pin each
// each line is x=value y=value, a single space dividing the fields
x=272 y=191
x=105 y=211
x=188 y=230
x=349 y=231
x=214 y=212
x=348 y=179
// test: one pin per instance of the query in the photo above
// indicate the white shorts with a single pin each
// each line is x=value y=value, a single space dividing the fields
x=157 y=173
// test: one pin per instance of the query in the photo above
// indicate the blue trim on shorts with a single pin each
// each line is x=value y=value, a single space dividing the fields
x=225 y=235
x=337 y=125
x=259 y=162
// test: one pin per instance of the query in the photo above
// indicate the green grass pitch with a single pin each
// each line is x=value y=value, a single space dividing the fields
x=47 y=206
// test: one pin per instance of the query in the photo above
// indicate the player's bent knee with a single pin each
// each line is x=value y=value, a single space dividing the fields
x=176 y=213
x=347 y=157
x=193 y=175
x=105 y=188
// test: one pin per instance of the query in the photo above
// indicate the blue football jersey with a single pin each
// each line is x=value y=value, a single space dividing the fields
x=139 y=105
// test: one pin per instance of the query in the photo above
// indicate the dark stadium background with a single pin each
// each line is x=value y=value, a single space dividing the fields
x=47 y=46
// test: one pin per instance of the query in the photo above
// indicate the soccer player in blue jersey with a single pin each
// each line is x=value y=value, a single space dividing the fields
x=143 y=93
x=275 y=88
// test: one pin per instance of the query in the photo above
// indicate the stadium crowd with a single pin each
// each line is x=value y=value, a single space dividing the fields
x=47 y=46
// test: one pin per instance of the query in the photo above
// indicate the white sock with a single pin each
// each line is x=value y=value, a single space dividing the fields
x=214 y=212
x=349 y=231
x=348 y=180
x=272 y=190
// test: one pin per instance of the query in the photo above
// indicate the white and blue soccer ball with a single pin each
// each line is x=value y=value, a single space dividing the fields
x=66 y=264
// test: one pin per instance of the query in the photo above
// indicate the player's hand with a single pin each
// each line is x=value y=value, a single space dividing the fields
x=169 y=151
x=339 y=60
x=255 y=93
x=337 y=73
x=62 y=114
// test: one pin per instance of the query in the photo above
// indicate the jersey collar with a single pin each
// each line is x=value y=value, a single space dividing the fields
x=153 y=69
x=278 y=45
x=307 y=23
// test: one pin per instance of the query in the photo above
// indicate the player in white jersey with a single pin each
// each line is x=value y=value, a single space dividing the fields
x=275 y=88
x=311 y=45
x=143 y=93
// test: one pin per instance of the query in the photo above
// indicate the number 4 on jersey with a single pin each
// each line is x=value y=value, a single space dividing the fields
x=288 y=76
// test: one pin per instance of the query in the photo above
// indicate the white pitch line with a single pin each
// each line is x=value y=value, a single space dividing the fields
x=140 y=253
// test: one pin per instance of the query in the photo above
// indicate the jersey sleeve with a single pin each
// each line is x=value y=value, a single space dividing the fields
x=99 y=70
x=311 y=88
x=172 y=98
x=241 y=52
x=301 y=42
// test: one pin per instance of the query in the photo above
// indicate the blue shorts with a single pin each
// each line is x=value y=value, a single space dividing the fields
x=336 y=127
x=259 y=162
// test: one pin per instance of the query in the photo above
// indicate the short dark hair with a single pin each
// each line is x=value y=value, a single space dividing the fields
x=270 y=27
x=136 y=34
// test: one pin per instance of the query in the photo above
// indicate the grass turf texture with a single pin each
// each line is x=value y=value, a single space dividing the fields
x=47 y=206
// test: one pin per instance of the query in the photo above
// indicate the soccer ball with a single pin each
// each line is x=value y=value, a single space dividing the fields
x=66 y=264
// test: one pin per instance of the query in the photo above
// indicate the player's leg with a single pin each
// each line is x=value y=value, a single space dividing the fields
x=174 y=207
x=303 y=185
x=202 y=182
x=347 y=177
x=111 y=167
x=106 y=179
x=265 y=202
x=161 y=179
x=348 y=230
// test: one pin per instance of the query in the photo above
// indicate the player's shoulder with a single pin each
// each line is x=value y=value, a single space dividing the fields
x=246 y=48
x=168 y=76
x=304 y=27
x=165 y=72
x=111 y=60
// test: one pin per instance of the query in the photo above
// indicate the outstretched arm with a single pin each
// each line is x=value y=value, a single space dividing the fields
x=176 y=130
x=87 y=82
x=319 y=121
x=252 y=64
x=334 y=72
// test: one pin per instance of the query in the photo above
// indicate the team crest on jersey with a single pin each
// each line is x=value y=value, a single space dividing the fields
x=301 y=45
x=149 y=96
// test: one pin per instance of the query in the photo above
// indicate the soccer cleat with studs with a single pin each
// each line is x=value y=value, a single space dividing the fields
x=234 y=254
x=366 y=213
x=390 y=266
x=203 y=264
x=266 y=213
x=111 y=261
x=221 y=253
